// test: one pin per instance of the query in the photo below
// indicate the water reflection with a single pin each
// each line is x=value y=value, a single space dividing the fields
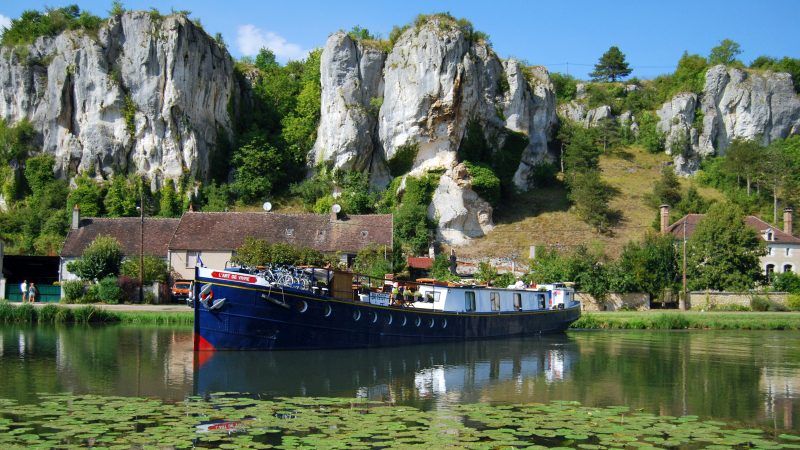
x=748 y=376
x=434 y=375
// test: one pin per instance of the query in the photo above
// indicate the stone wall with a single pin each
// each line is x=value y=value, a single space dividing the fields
x=707 y=300
x=614 y=301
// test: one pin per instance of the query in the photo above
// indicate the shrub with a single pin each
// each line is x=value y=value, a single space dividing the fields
x=793 y=302
x=403 y=159
x=149 y=298
x=128 y=285
x=108 y=292
x=73 y=290
x=6 y=311
x=49 y=312
x=484 y=182
x=25 y=313
x=91 y=295
x=759 y=303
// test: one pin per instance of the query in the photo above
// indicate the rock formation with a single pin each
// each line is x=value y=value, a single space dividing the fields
x=423 y=93
x=145 y=95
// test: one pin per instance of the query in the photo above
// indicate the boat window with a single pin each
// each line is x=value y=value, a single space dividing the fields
x=302 y=306
x=328 y=310
x=518 y=301
x=444 y=323
x=495 y=296
x=469 y=301
x=540 y=300
x=356 y=315
x=417 y=321
x=431 y=323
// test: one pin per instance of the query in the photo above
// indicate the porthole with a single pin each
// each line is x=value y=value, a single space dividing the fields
x=431 y=323
x=404 y=321
x=302 y=306
x=356 y=315
x=328 y=310
x=417 y=321
x=444 y=323
x=389 y=320
x=374 y=316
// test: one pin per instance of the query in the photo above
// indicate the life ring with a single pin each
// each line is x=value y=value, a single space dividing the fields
x=206 y=294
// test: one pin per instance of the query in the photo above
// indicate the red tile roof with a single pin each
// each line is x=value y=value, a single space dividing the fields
x=224 y=231
x=420 y=263
x=127 y=230
x=690 y=221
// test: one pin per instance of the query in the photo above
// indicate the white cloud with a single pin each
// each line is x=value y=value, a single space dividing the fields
x=5 y=22
x=251 y=39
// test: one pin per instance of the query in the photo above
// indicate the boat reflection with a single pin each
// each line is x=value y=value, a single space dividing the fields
x=436 y=374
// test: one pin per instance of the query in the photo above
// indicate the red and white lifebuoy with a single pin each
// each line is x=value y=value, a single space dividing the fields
x=206 y=294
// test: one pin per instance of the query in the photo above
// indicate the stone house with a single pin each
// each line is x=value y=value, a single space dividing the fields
x=783 y=249
x=211 y=237
x=131 y=232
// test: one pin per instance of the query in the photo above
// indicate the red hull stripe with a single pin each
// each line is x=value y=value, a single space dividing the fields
x=200 y=344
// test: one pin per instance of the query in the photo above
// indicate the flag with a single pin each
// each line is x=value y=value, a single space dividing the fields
x=200 y=261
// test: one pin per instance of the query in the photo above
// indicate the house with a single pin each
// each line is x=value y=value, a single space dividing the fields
x=131 y=232
x=211 y=237
x=783 y=249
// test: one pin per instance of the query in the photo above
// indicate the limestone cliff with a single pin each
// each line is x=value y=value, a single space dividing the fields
x=173 y=81
x=734 y=103
x=424 y=92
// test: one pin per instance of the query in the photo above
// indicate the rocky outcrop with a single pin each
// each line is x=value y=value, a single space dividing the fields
x=144 y=95
x=427 y=89
x=734 y=103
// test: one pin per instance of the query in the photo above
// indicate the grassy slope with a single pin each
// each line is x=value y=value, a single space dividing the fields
x=543 y=216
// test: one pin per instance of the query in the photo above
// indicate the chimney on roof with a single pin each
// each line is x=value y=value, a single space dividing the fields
x=664 y=218
x=76 y=217
x=787 y=221
x=191 y=207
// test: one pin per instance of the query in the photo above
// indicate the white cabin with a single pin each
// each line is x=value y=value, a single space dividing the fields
x=482 y=299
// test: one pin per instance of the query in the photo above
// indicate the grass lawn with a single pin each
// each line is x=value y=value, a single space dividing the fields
x=692 y=320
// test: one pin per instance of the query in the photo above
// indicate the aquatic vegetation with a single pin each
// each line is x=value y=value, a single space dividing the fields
x=228 y=420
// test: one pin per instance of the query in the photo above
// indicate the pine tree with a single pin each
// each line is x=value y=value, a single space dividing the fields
x=612 y=65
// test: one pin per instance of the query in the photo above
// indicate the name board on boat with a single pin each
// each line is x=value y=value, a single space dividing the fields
x=234 y=277
x=379 y=298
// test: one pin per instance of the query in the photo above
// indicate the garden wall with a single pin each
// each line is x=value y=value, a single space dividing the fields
x=614 y=301
x=707 y=300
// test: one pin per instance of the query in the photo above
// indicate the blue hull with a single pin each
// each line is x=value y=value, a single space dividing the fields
x=259 y=318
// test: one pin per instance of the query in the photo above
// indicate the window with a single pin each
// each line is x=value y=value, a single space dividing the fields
x=788 y=251
x=191 y=258
x=289 y=231
x=787 y=268
x=518 y=302
x=769 y=235
x=770 y=269
x=469 y=301
x=769 y=251
x=364 y=234
x=540 y=300
x=495 y=296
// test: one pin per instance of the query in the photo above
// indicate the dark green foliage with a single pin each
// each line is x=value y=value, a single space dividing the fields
x=17 y=141
x=411 y=227
x=361 y=34
x=108 y=291
x=786 y=64
x=723 y=252
x=73 y=290
x=440 y=269
x=666 y=190
x=259 y=166
x=403 y=159
x=32 y=24
x=545 y=174
x=759 y=303
x=473 y=145
x=650 y=266
x=101 y=259
x=220 y=158
x=612 y=65
x=725 y=53
x=123 y=196
x=259 y=252
x=39 y=172
x=128 y=111
x=48 y=313
x=88 y=195
x=653 y=140
x=214 y=198
x=786 y=282
x=590 y=195
x=25 y=313
x=566 y=86
x=581 y=153
x=583 y=266
x=484 y=182
x=6 y=311
x=171 y=204
x=155 y=269
x=504 y=162
x=486 y=272
x=117 y=8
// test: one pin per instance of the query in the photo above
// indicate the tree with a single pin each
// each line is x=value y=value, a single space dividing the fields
x=612 y=65
x=723 y=251
x=667 y=189
x=155 y=269
x=88 y=195
x=440 y=269
x=591 y=194
x=651 y=264
x=725 y=53
x=744 y=156
x=101 y=259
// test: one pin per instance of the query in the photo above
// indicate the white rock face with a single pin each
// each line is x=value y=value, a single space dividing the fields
x=676 y=119
x=73 y=89
x=432 y=83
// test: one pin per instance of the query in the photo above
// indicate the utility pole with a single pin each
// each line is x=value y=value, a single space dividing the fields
x=682 y=303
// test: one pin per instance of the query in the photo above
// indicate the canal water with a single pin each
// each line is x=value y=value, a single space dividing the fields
x=747 y=377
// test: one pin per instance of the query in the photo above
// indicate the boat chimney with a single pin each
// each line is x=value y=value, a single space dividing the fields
x=787 y=221
x=76 y=217
x=664 y=218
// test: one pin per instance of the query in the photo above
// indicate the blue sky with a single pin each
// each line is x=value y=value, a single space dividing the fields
x=652 y=35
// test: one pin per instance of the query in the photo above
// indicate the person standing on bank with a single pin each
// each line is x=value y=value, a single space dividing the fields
x=23 y=287
x=32 y=291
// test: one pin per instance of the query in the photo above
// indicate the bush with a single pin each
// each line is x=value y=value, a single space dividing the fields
x=759 y=303
x=91 y=295
x=25 y=313
x=73 y=290
x=484 y=182
x=793 y=302
x=149 y=298
x=129 y=286
x=49 y=312
x=6 y=311
x=108 y=292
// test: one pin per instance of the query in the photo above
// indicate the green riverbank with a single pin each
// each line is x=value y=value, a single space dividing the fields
x=687 y=320
x=57 y=313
